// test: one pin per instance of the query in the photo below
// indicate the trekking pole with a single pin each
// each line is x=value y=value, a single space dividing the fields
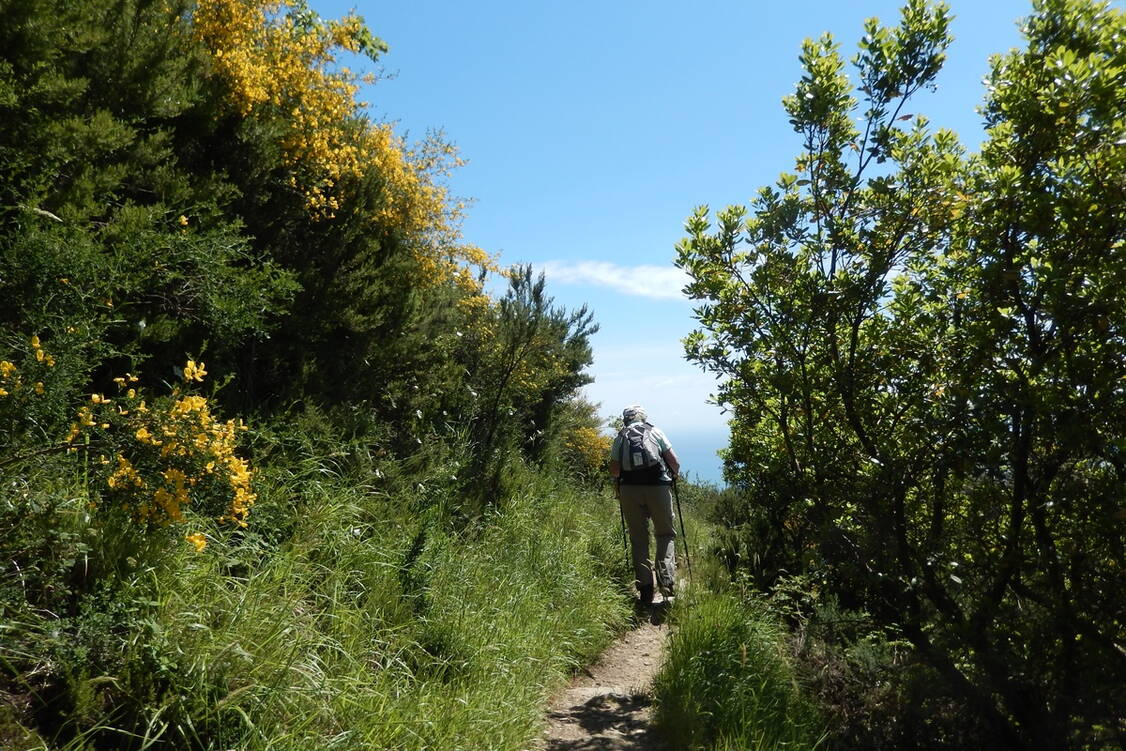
x=622 y=514
x=687 y=558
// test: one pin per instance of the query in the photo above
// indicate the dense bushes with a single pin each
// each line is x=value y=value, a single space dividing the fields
x=191 y=183
x=374 y=624
x=923 y=350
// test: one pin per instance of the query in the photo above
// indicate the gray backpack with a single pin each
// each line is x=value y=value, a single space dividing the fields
x=640 y=454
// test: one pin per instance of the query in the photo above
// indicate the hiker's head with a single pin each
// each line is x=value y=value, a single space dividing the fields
x=634 y=413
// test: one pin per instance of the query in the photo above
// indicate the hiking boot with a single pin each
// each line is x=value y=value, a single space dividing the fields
x=645 y=594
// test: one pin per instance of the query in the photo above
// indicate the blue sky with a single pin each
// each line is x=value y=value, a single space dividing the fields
x=592 y=130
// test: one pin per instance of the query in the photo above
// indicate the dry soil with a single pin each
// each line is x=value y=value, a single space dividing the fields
x=607 y=707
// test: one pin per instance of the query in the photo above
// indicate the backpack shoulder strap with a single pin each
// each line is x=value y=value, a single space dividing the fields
x=623 y=443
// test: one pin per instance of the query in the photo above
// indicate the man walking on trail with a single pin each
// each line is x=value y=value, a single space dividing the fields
x=645 y=466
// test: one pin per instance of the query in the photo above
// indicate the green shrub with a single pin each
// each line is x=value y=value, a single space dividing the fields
x=726 y=682
x=370 y=620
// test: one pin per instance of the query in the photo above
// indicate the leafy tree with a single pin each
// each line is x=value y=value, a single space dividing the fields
x=529 y=362
x=106 y=234
x=360 y=218
x=923 y=351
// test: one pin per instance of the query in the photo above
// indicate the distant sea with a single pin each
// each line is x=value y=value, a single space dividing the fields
x=697 y=454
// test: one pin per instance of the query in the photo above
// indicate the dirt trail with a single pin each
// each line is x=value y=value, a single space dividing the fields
x=607 y=706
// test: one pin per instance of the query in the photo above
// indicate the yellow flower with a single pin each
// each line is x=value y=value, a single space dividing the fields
x=183 y=221
x=194 y=372
x=125 y=475
x=144 y=436
x=167 y=502
x=35 y=342
x=39 y=387
x=174 y=476
x=197 y=540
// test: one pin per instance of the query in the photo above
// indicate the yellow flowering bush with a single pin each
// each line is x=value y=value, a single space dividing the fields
x=27 y=372
x=159 y=459
x=154 y=461
x=17 y=382
x=9 y=378
x=587 y=449
x=269 y=60
x=279 y=60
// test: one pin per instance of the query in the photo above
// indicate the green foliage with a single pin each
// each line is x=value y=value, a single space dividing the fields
x=372 y=626
x=869 y=685
x=726 y=684
x=923 y=351
x=148 y=216
x=528 y=365
x=107 y=232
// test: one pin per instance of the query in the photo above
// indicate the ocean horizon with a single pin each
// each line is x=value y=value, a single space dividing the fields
x=699 y=461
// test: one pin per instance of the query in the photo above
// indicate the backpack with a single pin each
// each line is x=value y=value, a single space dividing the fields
x=640 y=453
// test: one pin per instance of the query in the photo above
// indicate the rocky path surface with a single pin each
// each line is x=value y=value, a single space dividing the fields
x=607 y=707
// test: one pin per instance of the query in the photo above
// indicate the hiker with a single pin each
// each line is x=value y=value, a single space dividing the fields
x=645 y=466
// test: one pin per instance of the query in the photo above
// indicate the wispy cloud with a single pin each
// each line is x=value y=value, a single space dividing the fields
x=676 y=392
x=656 y=282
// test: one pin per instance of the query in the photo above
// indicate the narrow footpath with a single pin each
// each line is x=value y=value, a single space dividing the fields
x=607 y=707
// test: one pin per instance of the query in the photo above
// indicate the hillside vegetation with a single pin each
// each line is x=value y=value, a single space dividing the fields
x=276 y=471
x=923 y=350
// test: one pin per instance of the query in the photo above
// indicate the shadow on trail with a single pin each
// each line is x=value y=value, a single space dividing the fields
x=609 y=709
x=616 y=722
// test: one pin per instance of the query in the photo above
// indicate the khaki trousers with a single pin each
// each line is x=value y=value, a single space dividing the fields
x=640 y=503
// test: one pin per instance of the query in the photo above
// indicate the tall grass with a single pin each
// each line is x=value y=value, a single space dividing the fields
x=394 y=632
x=356 y=616
x=727 y=683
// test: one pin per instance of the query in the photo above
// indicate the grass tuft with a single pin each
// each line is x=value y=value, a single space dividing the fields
x=727 y=683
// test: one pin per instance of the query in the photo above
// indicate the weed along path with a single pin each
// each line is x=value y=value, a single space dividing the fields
x=607 y=705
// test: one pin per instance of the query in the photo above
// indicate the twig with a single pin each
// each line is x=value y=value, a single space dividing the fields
x=48 y=450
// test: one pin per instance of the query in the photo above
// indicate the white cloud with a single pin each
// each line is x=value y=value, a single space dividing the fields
x=675 y=392
x=656 y=282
